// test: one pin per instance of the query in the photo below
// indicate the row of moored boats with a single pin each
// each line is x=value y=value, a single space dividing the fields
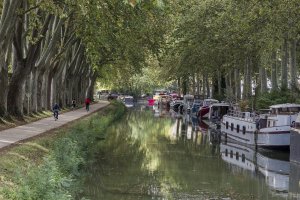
x=270 y=128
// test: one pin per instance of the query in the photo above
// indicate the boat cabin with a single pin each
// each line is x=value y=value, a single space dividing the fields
x=188 y=99
x=208 y=102
x=280 y=115
x=218 y=110
x=285 y=109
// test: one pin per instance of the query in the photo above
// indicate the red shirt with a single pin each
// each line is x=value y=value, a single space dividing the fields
x=87 y=101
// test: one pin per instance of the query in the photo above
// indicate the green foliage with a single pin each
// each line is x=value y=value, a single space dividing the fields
x=244 y=105
x=43 y=182
x=149 y=79
x=276 y=97
x=57 y=176
x=219 y=35
x=119 y=37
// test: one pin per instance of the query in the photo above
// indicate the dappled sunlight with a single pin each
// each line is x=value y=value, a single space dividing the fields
x=8 y=122
x=36 y=146
x=18 y=155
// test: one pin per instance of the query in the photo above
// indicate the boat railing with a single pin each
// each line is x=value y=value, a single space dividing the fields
x=246 y=116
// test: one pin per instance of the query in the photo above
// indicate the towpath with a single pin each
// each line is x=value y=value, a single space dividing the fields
x=17 y=134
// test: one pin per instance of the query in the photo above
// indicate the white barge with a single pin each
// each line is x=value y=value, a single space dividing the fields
x=270 y=130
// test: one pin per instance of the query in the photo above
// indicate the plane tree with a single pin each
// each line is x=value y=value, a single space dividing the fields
x=241 y=41
x=54 y=51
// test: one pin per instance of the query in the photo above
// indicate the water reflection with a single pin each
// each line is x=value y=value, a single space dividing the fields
x=294 y=185
x=152 y=154
x=275 y=170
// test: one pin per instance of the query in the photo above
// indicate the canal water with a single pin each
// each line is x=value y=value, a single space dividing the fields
x=155 y=154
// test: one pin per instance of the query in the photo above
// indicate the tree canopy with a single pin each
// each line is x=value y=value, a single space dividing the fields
x=55 y=51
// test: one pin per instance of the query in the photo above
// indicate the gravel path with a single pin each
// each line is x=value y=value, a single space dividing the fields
x=17 y=134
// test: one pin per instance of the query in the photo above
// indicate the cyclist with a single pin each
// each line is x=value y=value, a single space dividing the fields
x=55 y=110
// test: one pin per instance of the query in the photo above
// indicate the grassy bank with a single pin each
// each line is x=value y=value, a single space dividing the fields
x=48 y=167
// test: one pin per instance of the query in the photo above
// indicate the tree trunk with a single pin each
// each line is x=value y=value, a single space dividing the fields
x=214 y=87
x=75 y=89
x=204 y=86
x=3 y=86
x=7 y=25
x=82 y=94
x=249 y=77
x=198 y=85
x=284 y=65
x=294 y=71
x=184 y=85
x=53 y=91
x=262 y=80
x=64 y=86
x=179 y=86
x=43 y=85
x=237 y=81
x=229 y=91
x=40 y=89
x=69 y=91
x=227 y=83
x=274 y=72
x=193 y=84
x=33 y=85
x=207 y=86
x=247 y=80
x=48 y=85
x=245 y=86
x=59 y=89
x=219 y=84
x=27 y=96
x=15 y=91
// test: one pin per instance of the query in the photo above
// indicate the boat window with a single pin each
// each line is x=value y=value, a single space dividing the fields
x=226 y=125
x=244 y=130
x=274 y=123
x=231 y=154
x=237 y=128
x=237 y=155
x=232 y=126
x=269 y=123
x=286 y=111
x=294 y=109
x=243 y=158
x=226 y=152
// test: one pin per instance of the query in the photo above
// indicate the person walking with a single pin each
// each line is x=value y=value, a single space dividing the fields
x=87 y=104
x=73 y=104
x=55 y=110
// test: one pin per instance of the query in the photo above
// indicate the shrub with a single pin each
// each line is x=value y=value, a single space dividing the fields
x=276 y=97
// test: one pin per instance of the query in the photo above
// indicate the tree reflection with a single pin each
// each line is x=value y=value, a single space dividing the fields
x=145 y=157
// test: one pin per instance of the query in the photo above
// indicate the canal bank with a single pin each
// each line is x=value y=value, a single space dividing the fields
x=49 y=167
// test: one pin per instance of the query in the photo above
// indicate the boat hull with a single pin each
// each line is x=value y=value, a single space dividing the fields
x=203 y=112
x=245 y=132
